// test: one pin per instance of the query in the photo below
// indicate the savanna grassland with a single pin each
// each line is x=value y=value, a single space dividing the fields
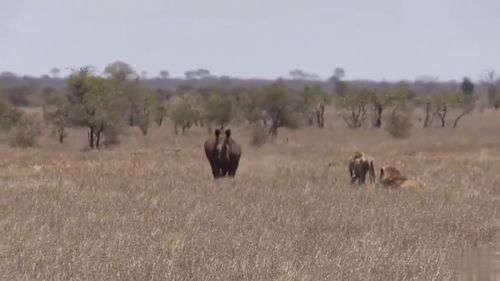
x=149 y=208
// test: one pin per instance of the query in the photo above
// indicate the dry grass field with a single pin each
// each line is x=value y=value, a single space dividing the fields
x=150 y=210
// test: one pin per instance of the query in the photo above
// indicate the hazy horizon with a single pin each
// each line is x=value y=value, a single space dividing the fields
x=392 y=40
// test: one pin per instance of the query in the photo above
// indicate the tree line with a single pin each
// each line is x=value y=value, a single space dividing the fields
x=106 y=104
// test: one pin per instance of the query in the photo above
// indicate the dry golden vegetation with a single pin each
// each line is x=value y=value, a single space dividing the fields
x=149 y=209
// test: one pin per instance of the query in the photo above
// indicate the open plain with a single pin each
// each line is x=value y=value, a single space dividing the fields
x=149 y=208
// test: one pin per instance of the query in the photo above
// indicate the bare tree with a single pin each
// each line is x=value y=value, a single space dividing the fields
x=354 y=107
x=428 y=111
x=311 y=104
x=465 y=104
x=441 y=111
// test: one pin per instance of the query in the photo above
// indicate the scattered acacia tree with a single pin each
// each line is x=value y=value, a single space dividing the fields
x=133 y=96
x=198 y=103
x=280 y=107
x=380 y=101
x=353 y=107
x=465 y=104
x=58 y=116
x=383 y=99
x=130 y=99
x=182 y=113
x=297 y=74
x=441 y=110
x=126 y=80
x=307 y=103
x=312 y=103
x=97 y=105
x=145 y=111
x=160 y=113
x=161 y=109
x=270 y=107
x=251 y=106
x=219 y=109
x=120 y=71
x=55 y=72
x=302 y=75
x=186 y=109
x=427 y=101
x=200 y=73
x=436 y=106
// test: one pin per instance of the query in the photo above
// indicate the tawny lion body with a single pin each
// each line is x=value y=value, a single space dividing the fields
x=392 y=177
x=359 y=166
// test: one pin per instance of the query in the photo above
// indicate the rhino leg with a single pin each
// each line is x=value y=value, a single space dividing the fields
x=215 y=169
x=216 y=173
x=233 y=168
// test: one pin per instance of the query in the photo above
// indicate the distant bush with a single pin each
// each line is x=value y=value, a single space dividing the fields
x=398 y=123
x=25 y=134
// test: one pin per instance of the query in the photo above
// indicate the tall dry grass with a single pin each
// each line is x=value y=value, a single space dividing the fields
x=149 y=209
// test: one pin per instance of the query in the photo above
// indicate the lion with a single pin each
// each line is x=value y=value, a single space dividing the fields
x=359 y=166
x=392 y=177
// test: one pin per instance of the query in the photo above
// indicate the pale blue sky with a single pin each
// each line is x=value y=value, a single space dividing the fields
x=391 y=39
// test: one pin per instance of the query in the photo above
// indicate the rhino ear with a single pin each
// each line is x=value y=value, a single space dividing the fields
x=217 y=133
x=228 y=133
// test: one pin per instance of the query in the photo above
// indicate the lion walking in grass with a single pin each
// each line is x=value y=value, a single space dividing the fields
x=359 y=167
